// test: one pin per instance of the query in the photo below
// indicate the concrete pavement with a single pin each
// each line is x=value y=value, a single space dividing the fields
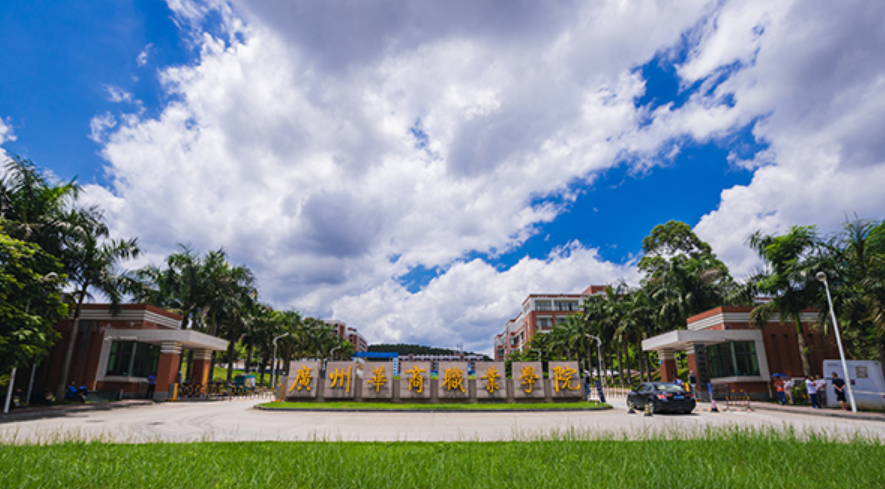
x=238 y=421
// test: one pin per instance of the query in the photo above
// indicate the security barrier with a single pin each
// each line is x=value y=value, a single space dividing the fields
x=737 y=401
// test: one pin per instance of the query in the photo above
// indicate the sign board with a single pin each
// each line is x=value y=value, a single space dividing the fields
x=339 y=382
x=302 y=381
x=452 y=383
x=377 y=380
x=491 y=383
x=528 y=380
x=565 y=380
x=414 y=380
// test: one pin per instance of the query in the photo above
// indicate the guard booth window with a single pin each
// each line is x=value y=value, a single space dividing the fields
x=733 y=359
x=133 y=359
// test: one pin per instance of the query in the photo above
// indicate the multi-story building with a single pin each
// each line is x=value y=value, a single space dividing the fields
x=539 y=313
x=350 y=334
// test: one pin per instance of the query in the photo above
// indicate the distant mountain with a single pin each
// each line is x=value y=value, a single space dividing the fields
x=405 y=349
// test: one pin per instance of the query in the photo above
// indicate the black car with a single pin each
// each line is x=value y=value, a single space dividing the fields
x=663 y=396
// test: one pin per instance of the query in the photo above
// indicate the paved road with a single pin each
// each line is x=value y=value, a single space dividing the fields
x=238 y=420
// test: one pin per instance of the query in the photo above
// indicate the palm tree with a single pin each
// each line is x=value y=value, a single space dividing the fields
x=788 y=278
x=91 y=261
x=35 y=208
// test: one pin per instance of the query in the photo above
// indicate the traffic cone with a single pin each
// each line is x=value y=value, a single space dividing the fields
x=648 y=410
x=630 y=408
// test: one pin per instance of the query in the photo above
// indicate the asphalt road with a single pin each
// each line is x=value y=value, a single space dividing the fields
x=239 y=421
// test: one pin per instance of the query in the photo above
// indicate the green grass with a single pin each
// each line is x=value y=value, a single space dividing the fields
x=732 y=458
x=387 y=406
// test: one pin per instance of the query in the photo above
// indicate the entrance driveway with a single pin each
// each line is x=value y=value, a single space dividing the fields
x=238 y=421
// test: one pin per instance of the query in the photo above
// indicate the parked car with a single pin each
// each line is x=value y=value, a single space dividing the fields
x=663 y=397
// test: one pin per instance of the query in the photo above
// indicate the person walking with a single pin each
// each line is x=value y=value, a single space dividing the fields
x=839 y=388
x=811 y=388
x=788 y=390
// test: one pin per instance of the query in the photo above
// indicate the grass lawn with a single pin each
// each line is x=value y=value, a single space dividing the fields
x=721 y=458
x=387 y=406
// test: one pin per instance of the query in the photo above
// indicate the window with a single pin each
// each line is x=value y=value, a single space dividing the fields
x=733 y=359
x=133 y=359
x=566 y=306
x=544 y=322
x=543 y=306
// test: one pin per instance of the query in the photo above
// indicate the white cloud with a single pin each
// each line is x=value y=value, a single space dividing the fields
x=334 y=147
x=6 y=134
x=142 y=58
x=117 y=94
x=816 y=79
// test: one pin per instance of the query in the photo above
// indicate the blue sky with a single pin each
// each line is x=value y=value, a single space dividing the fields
x=417 y=169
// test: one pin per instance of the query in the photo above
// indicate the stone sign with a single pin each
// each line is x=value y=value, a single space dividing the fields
x=339 y=381
x=565 y=380
x=491 y=383
x=414 y=380
x=302 y=380
x=528 y=380
x=453 y=380
x=377 y=380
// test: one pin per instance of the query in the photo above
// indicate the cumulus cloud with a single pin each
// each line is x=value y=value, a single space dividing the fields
x=6 y=134
x=334 y=147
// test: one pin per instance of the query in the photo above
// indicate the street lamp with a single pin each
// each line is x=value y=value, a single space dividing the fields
x=49 y=277
x=823 y=278
x=331 y=356
x=539 y=353
x=273 y=374
x=598 y=354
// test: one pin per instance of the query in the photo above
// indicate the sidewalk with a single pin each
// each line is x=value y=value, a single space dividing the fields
x=37 y=412
x=828 y=412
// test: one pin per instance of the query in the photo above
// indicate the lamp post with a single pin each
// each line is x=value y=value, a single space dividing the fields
x=331 y=356
x=539 y=354
x=46 y=278
x=598 y=354
x=823 y=278
x=273 y=373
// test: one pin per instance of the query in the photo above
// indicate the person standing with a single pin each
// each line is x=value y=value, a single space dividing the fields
x=152 y=384
x=693 y=382
x=811 y=388
x=821 y=385
x=779 y=387
x=788 y=390
x=839 y=387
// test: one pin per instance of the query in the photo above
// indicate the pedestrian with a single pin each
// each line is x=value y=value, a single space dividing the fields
x=811 y=388
x=821 y=385
x=779 y=387
x=152 y=384
x=839 y=388
x=788 y=389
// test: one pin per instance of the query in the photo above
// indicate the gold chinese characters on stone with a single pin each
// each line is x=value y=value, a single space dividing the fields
x=302 y=380
x=491 y=377
x=563 y=377
x=528 y=379
x=416 y=381
x=378 y=379
x=454 y=379
x=341 y=379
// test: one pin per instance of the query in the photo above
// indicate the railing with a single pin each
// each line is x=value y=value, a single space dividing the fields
x=188 y=391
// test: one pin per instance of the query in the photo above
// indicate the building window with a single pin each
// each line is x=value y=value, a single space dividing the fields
x=544 y=322
x=133 y=359
x=566 y=306
x=733 y=359
x=543 y=306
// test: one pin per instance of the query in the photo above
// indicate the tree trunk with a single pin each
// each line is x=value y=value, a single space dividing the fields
x=803 y=348
x=263 y=367
x=69 y=348
x=248 y=360
x=230 y=360
x=624 y=354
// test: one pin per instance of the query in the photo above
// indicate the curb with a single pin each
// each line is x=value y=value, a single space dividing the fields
x=433 y=411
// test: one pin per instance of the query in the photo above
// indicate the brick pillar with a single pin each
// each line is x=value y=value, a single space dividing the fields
x=202 y=362
x=668 y=365
x=167 y=369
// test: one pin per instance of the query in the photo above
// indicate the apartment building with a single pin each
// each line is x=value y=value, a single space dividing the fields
x=539 y=313
x=345 y=332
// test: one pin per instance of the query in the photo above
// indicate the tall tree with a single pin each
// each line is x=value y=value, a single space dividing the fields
x=30 y=302
x=788 y=278
x=91 y=261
